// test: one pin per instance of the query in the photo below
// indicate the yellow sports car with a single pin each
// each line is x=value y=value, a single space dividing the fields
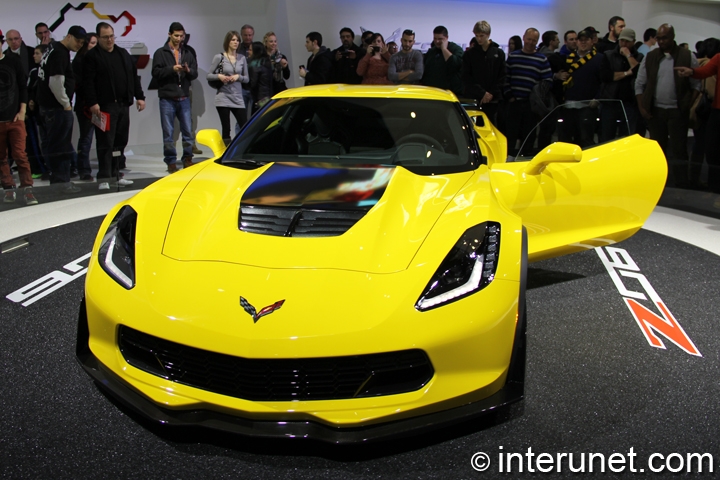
x=351 y=268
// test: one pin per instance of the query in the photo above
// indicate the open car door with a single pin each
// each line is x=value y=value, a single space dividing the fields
x=572 y=198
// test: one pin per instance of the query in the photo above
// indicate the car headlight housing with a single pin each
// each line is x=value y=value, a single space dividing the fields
x=469 y=267
x=117 y=249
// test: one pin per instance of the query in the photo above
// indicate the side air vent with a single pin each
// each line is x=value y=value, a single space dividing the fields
x=297 y=222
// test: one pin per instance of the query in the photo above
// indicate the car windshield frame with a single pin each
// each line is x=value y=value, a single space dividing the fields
x=427 y=137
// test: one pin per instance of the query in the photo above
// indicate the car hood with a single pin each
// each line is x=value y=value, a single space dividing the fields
x=393 y=211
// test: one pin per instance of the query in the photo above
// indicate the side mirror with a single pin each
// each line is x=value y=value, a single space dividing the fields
x=557 y=152
x=211 y=138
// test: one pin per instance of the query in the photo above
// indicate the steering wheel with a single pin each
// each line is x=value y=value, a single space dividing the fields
x=420 y=138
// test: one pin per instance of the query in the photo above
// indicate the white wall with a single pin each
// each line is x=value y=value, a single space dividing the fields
x=208 y=21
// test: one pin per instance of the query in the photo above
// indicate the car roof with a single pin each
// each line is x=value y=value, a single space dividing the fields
x=370 y=91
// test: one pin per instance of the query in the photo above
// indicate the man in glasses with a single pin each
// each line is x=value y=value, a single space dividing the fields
x=406 y=66
x=111 y=85
x=17 y=46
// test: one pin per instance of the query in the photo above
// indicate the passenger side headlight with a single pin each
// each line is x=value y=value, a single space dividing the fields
x=117 y=249
x=469 y=267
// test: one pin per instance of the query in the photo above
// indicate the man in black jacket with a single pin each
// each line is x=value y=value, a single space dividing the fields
x=346 y=58
x=483 y=73
x=110 y=85
x=174 y=67
x=16 y=45
x=620 y=65
x=319 y=65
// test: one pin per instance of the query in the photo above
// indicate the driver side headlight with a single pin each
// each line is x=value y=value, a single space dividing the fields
x=117 y=249
x=469 y=267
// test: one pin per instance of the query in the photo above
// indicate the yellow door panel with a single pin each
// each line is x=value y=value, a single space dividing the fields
x=569 y=205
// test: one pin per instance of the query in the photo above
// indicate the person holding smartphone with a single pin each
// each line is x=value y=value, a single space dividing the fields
x=373 y=67
x=174 y=67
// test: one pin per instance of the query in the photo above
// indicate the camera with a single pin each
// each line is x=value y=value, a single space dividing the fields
x=375 y=49
x=278 y=57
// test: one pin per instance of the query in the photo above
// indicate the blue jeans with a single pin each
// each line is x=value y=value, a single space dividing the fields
x=57 y=142
x=169 y=110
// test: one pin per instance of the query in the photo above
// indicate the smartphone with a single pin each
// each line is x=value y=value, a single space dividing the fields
x=301 y=66
x=375 y=48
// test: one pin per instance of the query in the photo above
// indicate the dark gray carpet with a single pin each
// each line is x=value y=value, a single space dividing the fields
x=594 y=384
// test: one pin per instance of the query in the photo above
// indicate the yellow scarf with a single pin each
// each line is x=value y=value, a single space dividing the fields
x=575 y=63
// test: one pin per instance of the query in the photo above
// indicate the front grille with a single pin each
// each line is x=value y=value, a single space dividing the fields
x=297 y=222
x=329 y=378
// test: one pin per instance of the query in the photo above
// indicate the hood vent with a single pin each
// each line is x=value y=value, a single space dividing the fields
x=297 y=222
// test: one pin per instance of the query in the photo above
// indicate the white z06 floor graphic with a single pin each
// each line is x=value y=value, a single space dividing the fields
x=44 y=286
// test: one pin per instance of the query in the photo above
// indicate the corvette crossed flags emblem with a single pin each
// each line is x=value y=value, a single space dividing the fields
x=264 y=311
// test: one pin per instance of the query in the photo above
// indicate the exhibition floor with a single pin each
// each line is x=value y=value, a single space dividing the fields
x=597 y=379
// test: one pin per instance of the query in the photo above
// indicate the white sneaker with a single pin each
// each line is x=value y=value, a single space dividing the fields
x=103 y=186
x=122 y=182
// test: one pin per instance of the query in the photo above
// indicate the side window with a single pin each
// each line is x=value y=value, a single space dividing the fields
x=583 y=123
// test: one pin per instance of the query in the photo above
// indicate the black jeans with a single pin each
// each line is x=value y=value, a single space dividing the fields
x=712 y=149
x=578 y=126
x=107 y=142
x=240 y=115
x=57 y=142
x=520 y=124
x=669 y=127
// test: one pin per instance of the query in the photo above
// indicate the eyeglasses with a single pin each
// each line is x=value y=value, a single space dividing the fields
x=108 y=37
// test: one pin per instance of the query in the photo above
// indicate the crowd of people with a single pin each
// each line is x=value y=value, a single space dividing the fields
x=631 y=86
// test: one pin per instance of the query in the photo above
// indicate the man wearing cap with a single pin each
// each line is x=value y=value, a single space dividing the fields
x=620 y=65
x=615 y=27
x=582 y=85
x=111 y=84
x=56 y=86
x=13 y=101
x=664 y=100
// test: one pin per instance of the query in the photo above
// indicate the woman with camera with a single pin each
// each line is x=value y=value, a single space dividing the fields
x=232 y=71
x=280 y=68
x=373 y=67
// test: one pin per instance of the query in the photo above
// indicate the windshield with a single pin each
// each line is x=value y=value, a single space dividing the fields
x=583 y=123
x=425 y=136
